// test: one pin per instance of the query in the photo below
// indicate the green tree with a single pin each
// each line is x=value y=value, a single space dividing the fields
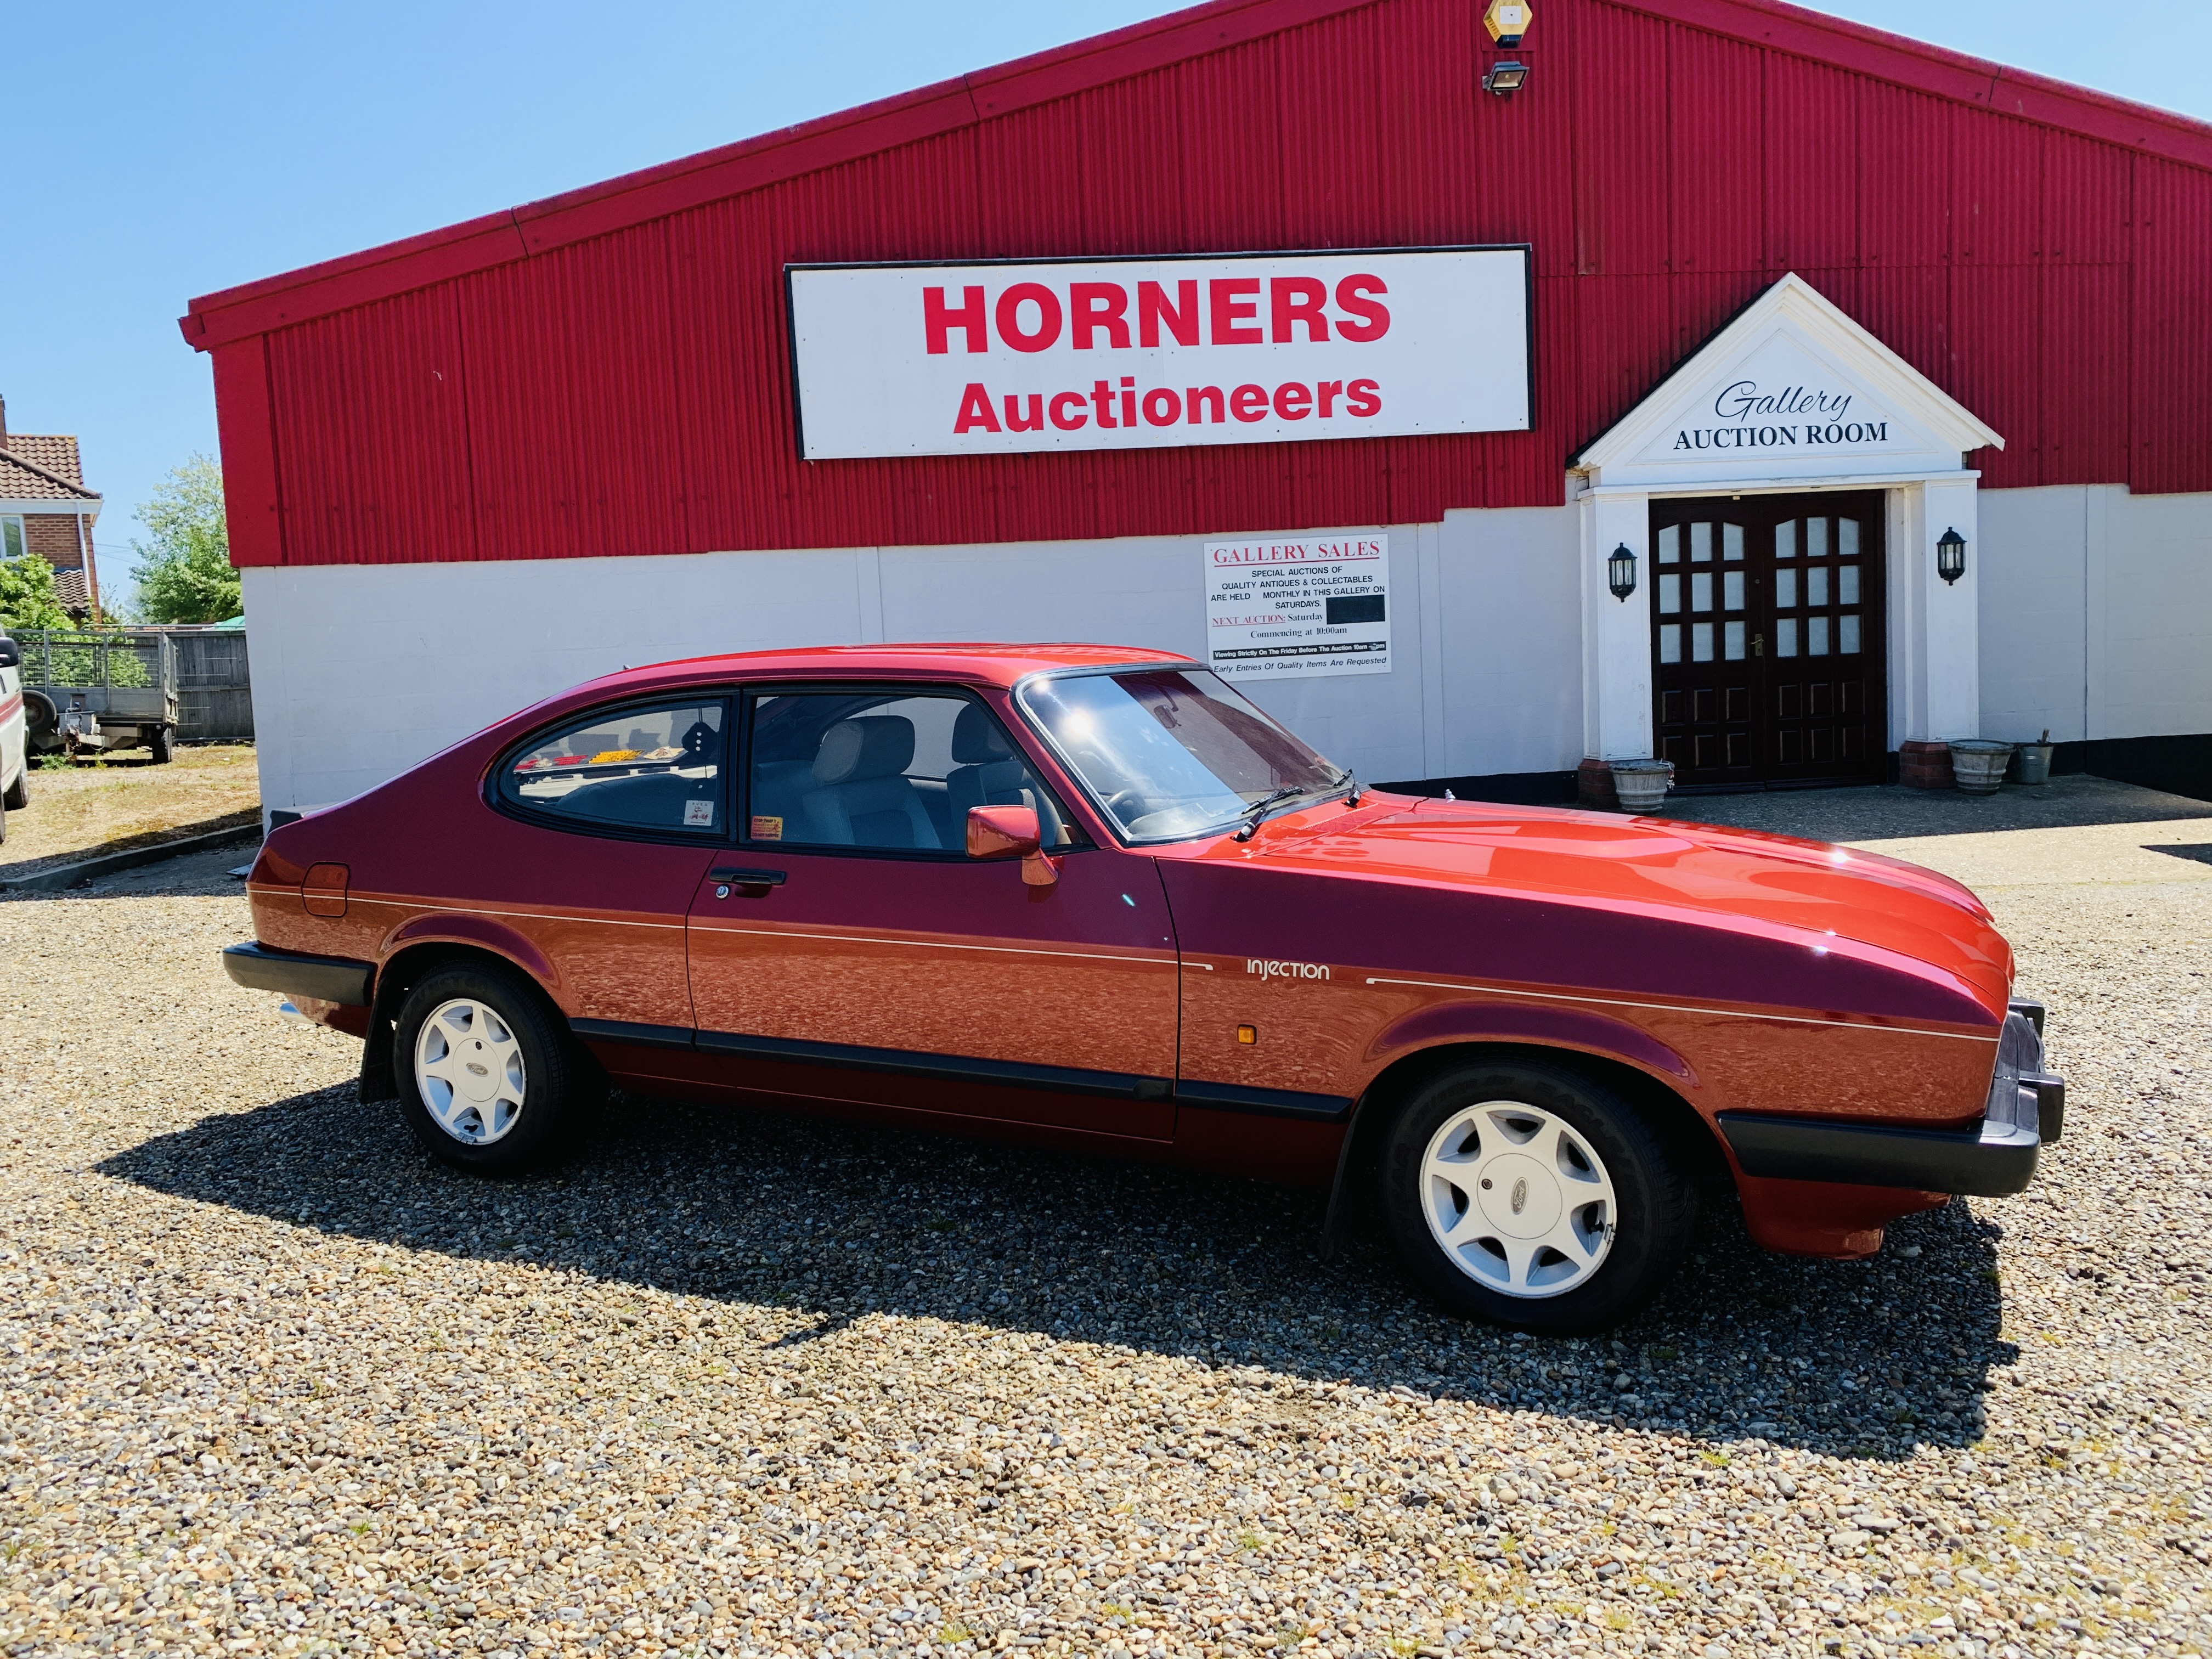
x=185 y=575
x=28 y=600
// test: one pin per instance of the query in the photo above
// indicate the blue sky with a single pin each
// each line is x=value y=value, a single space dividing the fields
x=155 y=153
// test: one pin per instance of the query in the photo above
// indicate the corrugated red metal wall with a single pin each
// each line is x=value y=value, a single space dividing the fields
x=628 y=391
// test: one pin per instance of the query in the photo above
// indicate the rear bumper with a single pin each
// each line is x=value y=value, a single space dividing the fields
x=325 y=979
x=2026 y=1109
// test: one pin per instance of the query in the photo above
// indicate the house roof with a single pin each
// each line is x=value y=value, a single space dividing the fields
x=503 y=238
x=71 y=591
x=37 y=466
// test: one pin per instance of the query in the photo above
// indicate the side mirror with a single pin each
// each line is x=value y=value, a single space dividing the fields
x=11 y=655
x=1007 y=832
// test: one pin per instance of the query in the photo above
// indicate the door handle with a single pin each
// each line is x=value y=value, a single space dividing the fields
x=1759 y=645
x=749 y=883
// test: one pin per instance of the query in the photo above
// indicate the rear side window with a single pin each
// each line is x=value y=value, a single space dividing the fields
x=654 y=769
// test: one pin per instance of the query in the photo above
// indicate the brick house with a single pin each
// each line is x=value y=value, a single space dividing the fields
x=44 y=508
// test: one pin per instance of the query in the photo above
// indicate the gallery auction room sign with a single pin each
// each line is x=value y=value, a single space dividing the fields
x=1282 y=609
x=1009 y=358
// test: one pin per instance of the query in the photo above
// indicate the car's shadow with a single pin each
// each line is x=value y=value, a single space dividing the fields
x=1863 y=1359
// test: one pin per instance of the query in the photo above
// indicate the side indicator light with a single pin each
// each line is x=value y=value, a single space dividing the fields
x=1247 y=1034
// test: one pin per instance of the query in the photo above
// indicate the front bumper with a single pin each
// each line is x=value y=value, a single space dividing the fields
x=2026 y=1111
x=324 y=979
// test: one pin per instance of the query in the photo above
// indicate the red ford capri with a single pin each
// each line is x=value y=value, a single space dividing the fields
x=1094 y=898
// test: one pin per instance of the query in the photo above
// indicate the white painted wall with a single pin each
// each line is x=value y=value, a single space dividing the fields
x=2034 y=640
x=1935 y=636
x=2092 y=609
x=1509 y=646
x=362 y=671
x=2095 y=613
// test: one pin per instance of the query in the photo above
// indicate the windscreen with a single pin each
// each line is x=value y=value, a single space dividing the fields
x=1170 y=753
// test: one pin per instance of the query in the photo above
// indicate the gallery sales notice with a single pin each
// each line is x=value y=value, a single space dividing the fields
x=1279 y=608
x=1146 y=354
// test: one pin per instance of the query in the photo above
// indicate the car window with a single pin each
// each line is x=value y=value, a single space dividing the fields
x=892 y=770
x=1172 y=753
x=656 y=768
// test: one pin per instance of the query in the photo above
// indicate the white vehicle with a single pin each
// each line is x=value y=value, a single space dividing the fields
x=15 y=746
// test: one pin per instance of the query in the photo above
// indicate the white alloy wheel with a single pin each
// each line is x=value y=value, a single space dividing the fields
x=469 y=1070
x=1518 y=1199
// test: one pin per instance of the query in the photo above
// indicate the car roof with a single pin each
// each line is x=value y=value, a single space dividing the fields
x=990 y=663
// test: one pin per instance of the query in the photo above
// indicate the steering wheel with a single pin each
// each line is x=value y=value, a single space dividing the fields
x=1132 y=795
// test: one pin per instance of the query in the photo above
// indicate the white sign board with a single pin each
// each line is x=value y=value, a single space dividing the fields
x=1013 y=358
x=1780 y=400
x=1283 y=608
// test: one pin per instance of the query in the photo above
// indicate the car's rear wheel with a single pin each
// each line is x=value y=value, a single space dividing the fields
x=1526 y=1194
x=18 y=794
x=489 y=1080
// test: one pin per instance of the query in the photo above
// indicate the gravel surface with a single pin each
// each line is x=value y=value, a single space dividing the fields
x=270 y=1383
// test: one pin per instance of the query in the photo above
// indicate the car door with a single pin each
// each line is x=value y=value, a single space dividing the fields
x=14 y=750
x=613 y=816
x=850 y=949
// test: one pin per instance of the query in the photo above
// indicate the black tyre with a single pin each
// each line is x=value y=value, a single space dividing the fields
x=162 y=745
x=490 y=1081
x=1524 y=1193
x=42 y=725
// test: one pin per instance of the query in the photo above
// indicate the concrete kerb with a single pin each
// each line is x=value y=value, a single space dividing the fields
x=63 y=876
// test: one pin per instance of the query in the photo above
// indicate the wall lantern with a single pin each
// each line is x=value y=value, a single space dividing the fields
x=1505 y=79
x=1621 y=572
x=1951 y=556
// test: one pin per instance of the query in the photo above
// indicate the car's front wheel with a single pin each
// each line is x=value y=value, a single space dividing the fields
x=18 y=794
x=1526 y=1194
x=490 y=1081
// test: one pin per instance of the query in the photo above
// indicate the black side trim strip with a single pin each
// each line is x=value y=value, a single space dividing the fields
x=1996 y=1161
x=637 y=1036
x=1266 y=1103
x=951 y=1067
x=326 y=978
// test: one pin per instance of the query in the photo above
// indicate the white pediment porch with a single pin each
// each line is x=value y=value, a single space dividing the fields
x=1791 y=396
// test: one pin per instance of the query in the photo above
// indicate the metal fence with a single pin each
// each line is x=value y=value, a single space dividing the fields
x=215 y=698
x=90 y=659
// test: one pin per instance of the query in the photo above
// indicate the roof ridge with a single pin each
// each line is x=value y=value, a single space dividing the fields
x=28 y=465
x=964 y=101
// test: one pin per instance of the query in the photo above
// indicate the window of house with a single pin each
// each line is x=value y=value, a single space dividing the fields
x=12 y=540
x=650 y=768
x=890 y=770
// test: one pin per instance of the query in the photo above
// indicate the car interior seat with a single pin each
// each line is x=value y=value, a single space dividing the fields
x=985 y=770
x=861 y=796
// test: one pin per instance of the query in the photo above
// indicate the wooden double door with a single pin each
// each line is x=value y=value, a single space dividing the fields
x=1768 y=640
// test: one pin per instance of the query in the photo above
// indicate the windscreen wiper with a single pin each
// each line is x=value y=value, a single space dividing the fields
x=1258 y=809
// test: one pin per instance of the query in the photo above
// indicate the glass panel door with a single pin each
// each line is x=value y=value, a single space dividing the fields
x=1767 y=645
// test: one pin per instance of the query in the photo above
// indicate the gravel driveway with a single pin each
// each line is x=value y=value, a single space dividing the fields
x=270 y=1383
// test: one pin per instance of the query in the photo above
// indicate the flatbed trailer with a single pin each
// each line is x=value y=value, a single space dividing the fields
x=93 y=691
